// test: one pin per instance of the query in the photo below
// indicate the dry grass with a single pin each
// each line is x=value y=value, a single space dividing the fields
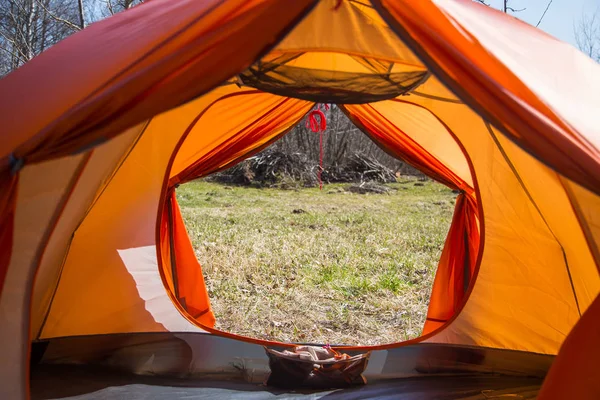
x=345 y=269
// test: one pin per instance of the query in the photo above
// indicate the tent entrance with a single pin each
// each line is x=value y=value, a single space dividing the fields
x=263 y=103
x=240 y=116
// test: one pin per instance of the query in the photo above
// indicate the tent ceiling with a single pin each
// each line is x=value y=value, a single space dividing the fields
x=319 y=61
x=324 y=31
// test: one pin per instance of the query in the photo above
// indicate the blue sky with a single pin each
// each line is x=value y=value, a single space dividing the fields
x=560 y=17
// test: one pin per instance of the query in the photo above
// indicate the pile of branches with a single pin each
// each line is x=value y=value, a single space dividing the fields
x=271 y=168
x=359 y=168
x=276 y=168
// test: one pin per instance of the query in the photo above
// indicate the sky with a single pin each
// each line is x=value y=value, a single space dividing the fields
x=559 y=19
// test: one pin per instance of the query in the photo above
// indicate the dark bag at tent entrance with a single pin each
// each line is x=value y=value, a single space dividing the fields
x=315 y=367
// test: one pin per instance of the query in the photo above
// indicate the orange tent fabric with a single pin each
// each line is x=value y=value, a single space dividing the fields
x=168 y=68
x=462 y=58
x=470 y=95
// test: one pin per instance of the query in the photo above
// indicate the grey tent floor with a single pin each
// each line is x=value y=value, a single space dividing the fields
x=85 y=383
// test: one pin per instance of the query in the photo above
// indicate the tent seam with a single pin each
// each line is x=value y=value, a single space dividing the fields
x=581 y=220
x=433 y=97
x=533 y=202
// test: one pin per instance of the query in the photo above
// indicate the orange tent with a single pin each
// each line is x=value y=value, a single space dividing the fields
x=96 y=264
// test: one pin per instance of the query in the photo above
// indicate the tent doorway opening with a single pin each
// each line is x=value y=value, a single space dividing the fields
x=284 y=261
x=388 y=94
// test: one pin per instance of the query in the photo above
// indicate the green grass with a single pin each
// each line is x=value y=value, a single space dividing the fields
x=319 y=266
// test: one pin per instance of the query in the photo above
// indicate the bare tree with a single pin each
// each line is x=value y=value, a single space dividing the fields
x=342 y=139
x=81 y=14
x=505 y=6
x=587 y=34
x=114 y=6
x=28 y=27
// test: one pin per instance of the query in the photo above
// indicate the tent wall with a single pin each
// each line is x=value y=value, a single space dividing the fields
x=110 y=281
x=522 y=270
x=54 y=197
x=574 y=373
x=587 y=207
x=32 y=219
x=560 y=217
x=102 y=164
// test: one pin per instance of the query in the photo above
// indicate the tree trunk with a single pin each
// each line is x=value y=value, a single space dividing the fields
x=44 y=26
x=81 y=14
x=30 y=28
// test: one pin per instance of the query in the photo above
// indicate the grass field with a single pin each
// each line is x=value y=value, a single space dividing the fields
x=319 y=266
